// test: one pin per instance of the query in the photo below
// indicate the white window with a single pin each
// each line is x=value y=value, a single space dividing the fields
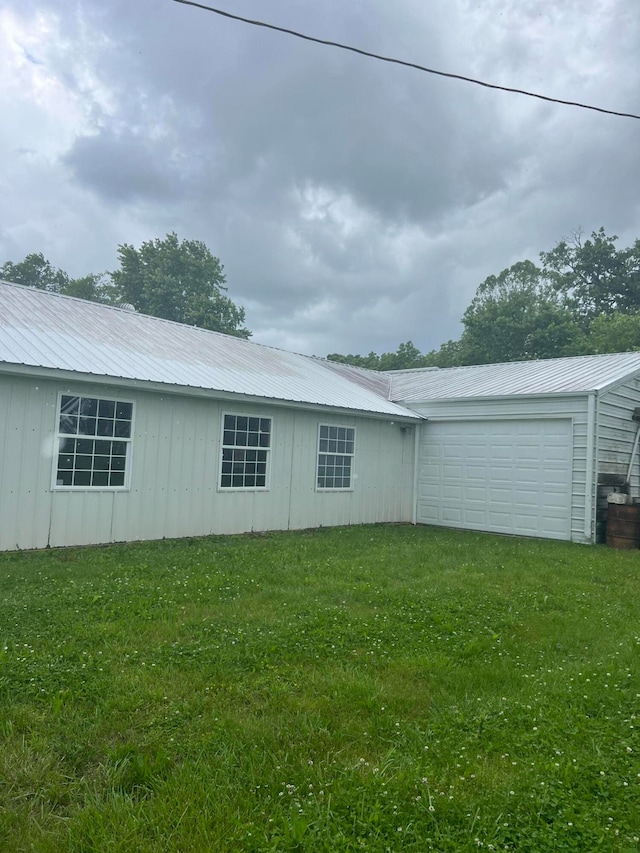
x=94 y=443
x=246 y=443
x=336 y=445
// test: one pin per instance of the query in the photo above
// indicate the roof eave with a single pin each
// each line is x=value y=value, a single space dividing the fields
x=401 y=415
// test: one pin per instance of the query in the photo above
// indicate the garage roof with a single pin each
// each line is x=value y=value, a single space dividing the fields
x=531 y=378
x=39 y=330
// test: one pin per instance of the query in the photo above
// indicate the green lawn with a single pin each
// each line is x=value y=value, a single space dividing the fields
x=381 y=688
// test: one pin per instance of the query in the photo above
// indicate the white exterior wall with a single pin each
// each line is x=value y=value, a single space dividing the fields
x=617 y=432
x=175 y=461
x=573 y=407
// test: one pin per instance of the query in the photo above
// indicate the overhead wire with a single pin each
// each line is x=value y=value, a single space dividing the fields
x=403 y=62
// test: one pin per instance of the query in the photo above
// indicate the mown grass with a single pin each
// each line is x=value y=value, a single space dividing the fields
x=374 y=688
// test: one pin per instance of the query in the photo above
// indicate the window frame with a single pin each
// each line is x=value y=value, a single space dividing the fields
x=244 y=447
x=321 y=453
x=59 y=436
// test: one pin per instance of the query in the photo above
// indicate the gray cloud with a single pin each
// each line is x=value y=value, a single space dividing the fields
x=354 y=205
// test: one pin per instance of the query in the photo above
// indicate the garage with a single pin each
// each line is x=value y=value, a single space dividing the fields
x=504 y=476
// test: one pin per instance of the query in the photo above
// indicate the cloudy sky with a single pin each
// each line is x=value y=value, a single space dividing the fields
x=354 y=204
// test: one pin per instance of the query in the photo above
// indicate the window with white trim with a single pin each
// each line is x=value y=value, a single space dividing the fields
x=336 y=446
x=94 y=441
x=246 y=444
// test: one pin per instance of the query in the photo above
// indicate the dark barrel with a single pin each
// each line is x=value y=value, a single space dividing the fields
x=623 y=526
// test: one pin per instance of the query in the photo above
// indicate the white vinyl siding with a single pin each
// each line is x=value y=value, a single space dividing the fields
x=617 y=431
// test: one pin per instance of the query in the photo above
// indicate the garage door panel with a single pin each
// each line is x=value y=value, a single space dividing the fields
x=511 y=476
x=474 y=516
x=451 y=515
x=452 y=491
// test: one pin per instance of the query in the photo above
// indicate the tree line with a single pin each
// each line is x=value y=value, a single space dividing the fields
x=583 y=298
x=169 y=278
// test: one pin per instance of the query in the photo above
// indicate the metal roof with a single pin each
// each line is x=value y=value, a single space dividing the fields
x=579 y=374
x=45 y=330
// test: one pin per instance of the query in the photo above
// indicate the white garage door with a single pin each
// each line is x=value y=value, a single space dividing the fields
x=500 y=476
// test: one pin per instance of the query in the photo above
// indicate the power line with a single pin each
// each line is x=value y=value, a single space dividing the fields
x=403 y=62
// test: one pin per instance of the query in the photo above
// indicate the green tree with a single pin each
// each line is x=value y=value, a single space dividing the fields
x=406 y=356
x=179 y=281
x=613 y=333
x=516 y=316
x=35 y=271
x=593 y=276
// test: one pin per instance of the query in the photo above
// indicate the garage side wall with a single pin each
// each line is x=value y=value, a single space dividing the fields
x=175 y=464
x=617 y=432
x=571 y=409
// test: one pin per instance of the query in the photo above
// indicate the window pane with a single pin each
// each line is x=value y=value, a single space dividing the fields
x=116 y=478
x=82 y=478
x=105 y=427
x=124 y=411
x=242 y=423
x=84 y=445
x=123 y=429
x=87 y=426
x=119 y=448
x=100 y=478
x=69 y=424
x=103 y=447
x=228 y=437
x=69 y=405
x=65 y=462
x=106 y=408
x=83 y=462
x=101 y=463
x=88 y=406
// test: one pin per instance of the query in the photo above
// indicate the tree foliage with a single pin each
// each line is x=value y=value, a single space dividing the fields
x=167 y=278
x=514 y=316
x=179 y=281
x=406 y=356
x=593 y=277
x=34 y=271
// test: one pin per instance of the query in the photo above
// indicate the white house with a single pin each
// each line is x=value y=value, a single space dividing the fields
x=116 y=426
